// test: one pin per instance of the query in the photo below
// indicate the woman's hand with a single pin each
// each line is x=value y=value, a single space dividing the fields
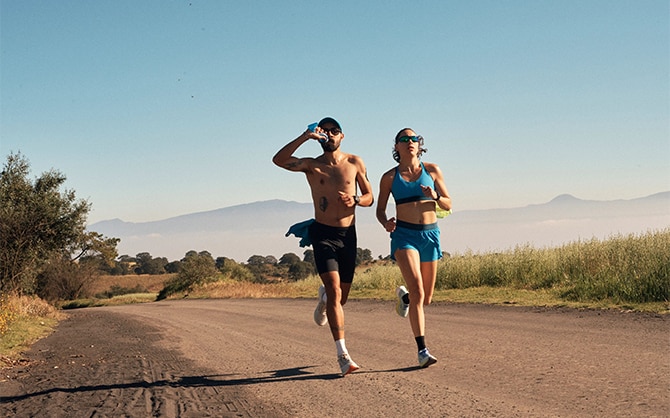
x=429 y=192
x=389 y=225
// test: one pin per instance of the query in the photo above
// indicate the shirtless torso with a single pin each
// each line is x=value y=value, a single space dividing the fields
x=334 y=178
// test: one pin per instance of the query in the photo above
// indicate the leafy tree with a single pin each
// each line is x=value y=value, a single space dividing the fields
x=289 y=259
x=220 y=262
x=230 y=268
x=40 y=224
x=308 y=256
x=256 y=260
x=363 y=256
x=300 y=270
x=146 y=264
x=195 y=269
x=172 y=267
x=206 y=253
x=189 y=253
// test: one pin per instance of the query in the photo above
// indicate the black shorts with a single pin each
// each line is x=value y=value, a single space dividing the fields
x=334 y=249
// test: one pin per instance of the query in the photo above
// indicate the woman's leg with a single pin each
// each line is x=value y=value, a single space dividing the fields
x=410 y=267
x=429 y=276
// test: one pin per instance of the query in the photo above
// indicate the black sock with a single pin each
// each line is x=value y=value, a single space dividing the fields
x=420 y=342
x=405 y=298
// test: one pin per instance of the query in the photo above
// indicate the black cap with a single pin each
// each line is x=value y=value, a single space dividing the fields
x=330 y=120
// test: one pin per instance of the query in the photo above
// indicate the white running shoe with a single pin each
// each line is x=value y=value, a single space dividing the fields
x=347 y=365
x=425 y=358
x=320 y=316
x=401 y=307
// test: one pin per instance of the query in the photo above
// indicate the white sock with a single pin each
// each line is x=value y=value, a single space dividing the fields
x=341 y=348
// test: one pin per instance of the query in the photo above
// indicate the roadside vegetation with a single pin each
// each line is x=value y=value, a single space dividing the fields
x=49 y=263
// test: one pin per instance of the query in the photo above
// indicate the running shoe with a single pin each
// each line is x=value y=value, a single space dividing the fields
x=401 y=307
x=425 y=358
x=320 y=316
x=347 y=365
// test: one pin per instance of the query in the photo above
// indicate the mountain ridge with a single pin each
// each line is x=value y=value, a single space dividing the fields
x=258 y=228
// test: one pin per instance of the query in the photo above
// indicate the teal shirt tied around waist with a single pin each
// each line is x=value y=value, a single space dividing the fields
x=301 y=230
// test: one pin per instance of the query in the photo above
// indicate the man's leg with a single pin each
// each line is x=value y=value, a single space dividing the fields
x=331 y=281
x=335 y=294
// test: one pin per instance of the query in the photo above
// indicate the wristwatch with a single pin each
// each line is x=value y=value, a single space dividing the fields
x=357 y=200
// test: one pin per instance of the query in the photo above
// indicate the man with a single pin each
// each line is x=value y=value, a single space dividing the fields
x=333 y=178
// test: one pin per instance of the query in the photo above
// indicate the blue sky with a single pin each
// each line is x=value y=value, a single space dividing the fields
x=154 y=109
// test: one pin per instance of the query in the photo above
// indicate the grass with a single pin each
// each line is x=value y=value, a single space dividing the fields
x=630 y=273
x=26 y=320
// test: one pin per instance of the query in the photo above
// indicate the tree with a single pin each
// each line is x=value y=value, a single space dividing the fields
x=363 y=256
x=39 y=223
x=256 y=260
x=300 y=270
x=195 y=269
x=308 y=256
x=172 y=267
x=146 y=264
x=289 y=259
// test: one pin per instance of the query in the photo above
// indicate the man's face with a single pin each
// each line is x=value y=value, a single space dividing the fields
x=335 y=137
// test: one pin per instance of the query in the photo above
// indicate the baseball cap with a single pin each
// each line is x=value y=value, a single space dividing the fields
x=330 y=120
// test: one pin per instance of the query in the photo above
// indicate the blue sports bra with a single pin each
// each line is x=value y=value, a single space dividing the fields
x=410 y=191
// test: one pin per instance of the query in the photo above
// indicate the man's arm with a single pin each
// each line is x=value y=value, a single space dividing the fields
x=284 y=157
x=366 y=198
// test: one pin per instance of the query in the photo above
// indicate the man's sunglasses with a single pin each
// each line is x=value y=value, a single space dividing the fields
x=409 y=138
x=332 y=131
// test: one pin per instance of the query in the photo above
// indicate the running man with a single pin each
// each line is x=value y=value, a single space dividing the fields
x=334 y=178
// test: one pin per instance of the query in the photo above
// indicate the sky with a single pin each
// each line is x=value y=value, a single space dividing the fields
x=155 y=109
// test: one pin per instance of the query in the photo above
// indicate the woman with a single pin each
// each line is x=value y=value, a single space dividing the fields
x=418 y=190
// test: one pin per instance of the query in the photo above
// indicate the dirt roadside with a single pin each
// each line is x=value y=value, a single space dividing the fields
x=265 y=358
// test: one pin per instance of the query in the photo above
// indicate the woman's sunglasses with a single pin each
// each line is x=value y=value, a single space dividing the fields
x=409 y=138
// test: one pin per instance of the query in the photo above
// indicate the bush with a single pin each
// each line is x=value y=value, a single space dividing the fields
x=63 y=279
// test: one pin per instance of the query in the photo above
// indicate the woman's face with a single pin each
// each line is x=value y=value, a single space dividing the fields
x=405 y=143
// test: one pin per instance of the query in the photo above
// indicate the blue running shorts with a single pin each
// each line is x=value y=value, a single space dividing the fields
x=425 y=239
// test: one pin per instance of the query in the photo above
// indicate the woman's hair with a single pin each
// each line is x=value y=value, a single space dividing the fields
x=396 y=156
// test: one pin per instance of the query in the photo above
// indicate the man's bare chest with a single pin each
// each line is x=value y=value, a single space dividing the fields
x=333 y=176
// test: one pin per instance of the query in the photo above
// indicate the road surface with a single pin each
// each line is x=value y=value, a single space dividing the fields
x=266 y=358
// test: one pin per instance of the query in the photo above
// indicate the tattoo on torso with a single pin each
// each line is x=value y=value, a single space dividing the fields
x=323 y=204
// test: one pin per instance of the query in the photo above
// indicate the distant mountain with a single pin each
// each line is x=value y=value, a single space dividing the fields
x=259 y=228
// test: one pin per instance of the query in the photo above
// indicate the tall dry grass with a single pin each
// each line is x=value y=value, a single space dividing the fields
x=621 y=269
x=632 y=268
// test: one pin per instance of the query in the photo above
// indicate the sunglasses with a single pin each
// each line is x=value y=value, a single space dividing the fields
x=409 y=138
x=332 y=131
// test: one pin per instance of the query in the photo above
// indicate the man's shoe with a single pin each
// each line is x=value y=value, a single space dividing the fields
x=320 y=316
x=425 y=358
x=347 y=365
x=401 y=307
